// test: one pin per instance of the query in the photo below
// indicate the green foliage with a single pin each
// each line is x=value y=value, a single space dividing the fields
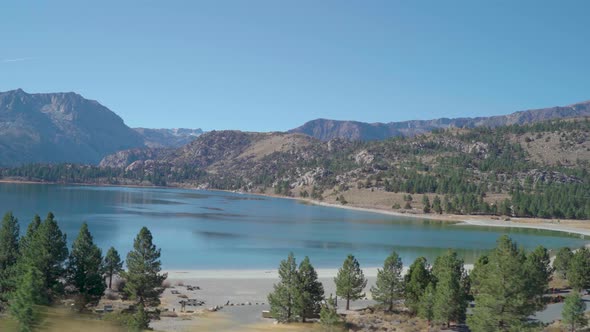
x=112 y=264
x=573 y=312
x=437 y=205
x=415 y=282
x=144 y=281
x=389 y=285
x=329 y=317
x=578 y=272
x=85 y=269
x=450 y=293
x=562 y=261
x=283 y=298
x=426 y=203
x=350 y=281
x=506 y=287
x=425 y=306
x=9 y=232
x=45 y=248
x=24 y=301
x=140 y=320
x=309 y=291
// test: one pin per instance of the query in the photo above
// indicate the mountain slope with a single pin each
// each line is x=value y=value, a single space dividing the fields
x=59 y=127
x=163 y=138
x=325 y=130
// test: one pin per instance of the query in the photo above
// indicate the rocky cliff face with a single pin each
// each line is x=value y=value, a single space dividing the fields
x=59 y=127
x=165 y=138
x=326 y=130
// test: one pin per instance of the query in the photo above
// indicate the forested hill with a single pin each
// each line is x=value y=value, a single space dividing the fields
x=520 y=170
x=325 y=129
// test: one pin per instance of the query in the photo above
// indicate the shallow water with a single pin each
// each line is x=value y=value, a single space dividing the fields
x=217 y=230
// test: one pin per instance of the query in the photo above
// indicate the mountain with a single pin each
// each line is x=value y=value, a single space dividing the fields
x=59 y=127
x=325 y=129
x=162 y=138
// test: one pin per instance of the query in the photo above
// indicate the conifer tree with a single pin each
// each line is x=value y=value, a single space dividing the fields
x=28 y=237
x=144 y=280
x=426 y=304
x=437 y=205
x=426 y=203
x=415 y=282
x=9 y=232
x=282 y=299
x=45 y=248
x=85 y=268
x=573 y=312
x=502 y=289
x=310 y=291
x=23 y=303
x=112 y=264
x=328 y=315
x=140 y=320
x=389 y=285
x=578 y=272
x=562 y=261
x=539 y=271
x=450 y=301
x=350 y=281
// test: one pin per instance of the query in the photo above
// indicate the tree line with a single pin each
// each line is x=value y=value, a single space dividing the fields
x=39 y=269
x=506 y=287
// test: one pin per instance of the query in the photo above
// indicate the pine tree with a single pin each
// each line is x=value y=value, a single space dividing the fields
x=350 y=281
x=415 y=282
x=389 y=285
x=112 y=264
x=437 y=205
x=144 y=281
x=328 y=315
x=502 y=288
x=140 y=320
x=24 y=301
x=282 y=299
x=426 y=304
x=310 y=291
x=45 y=248
x=578 y=272
x=426 y=203
x=562 y=261
x=573 y=311
x=538 y=266
x=85 y=268
x=9 y=232
x=450 y=301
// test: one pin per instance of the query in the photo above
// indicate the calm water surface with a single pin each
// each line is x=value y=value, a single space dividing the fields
x=210 y=230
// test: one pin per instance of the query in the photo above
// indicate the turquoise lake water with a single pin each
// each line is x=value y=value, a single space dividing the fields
x=218 y=230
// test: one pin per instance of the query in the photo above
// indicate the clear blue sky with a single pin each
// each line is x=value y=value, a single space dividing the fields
x=272 y=65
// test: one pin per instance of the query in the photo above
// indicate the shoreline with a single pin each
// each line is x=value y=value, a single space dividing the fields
x=556 y=225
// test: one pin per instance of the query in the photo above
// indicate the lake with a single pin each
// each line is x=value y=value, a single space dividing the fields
x=219 y=230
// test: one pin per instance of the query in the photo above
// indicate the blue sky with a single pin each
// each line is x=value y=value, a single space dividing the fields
x=272 y=65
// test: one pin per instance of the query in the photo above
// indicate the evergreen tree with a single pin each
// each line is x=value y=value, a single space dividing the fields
x=502 y=288
x=389 y=285
x=85 y=268
x=328 y=315
x=310 y=291
x=538 y=266
x=415 y=282
x=140 y=320
x=437 y=205
x=45 y=248
x=426 y=304
x=112 y=264
x=562 y=261
x=144 y=281
x=450 y=296
x=573 y=311
x=426 y=203
x=350 y=281
x=578 y=272
x=9 y=232
x=282 y=299
x=24 y=301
